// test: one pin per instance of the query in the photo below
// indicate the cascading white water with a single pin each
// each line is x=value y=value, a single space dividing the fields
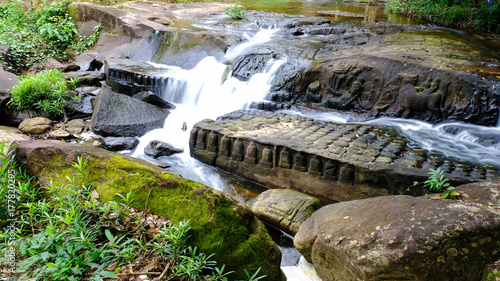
x=467 y=142
x=208 y=91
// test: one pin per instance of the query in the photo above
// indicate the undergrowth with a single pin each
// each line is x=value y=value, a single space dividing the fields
x=470 y=14
x=36 y=34
x=64 y=232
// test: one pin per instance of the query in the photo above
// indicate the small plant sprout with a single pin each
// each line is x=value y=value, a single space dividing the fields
x=437 y=182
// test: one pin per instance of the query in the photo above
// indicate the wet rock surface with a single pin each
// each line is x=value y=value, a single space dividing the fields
x=402 y=238
x=131 y=77
x=333 y=162
x=285 y=209
x=152 y=98
x=120 y=143
x=123 y=116
x=385 y=87
x=157 y=149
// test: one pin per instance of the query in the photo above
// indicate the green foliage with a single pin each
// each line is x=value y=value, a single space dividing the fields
x=55 y=25
x=33 y=35
x=236 y=12
x=46 y=91
x=454 y=13
x=253 y=277
x=69 y=234
x=436 y=182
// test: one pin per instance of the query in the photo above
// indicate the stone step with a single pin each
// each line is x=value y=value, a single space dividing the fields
x=131 y=76
x=334 y=162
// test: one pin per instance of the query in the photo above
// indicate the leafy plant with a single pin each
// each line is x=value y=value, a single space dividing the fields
x=436 y=182
x=236 y=12
x=46 y=91
x=253 y=277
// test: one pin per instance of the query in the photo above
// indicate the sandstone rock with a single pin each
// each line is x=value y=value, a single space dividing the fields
x=87 y=62
x=401 y=238
x=246 y=66
x=219 y=224
x=36 y=125
x=80 y=108
x=76 y=126
x=158 y=148
x=152 y=98
x=120 y=143
x=59 y=133
x=10 y=135
x=123 y=116
x=387 y=87
x=86 y=78
x=285 y=209
x=132 y=76
x=330 y=161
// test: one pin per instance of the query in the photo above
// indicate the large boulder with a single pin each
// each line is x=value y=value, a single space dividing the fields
x=220 y=225
x=122 y=116
x=403 y=238
x=285 y=209
x=378 y=86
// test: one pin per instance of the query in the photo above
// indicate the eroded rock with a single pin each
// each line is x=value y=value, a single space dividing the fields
x=333 y=162
x=402 y=238
x=386 y=87
x=285 y=209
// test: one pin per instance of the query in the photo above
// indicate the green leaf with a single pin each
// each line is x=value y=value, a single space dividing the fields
x=109 y=236
x=490 y=276
x=445 y=194
x=49 y=264
x=108 y=274
x=454 y=193
x=45 y=256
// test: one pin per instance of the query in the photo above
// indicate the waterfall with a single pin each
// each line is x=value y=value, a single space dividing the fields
x=208 y=91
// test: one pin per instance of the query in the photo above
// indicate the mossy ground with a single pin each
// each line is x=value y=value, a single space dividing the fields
x=219 y=225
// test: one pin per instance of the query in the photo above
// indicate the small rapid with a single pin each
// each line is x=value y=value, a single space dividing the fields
x=208 y=91
x=457 y=140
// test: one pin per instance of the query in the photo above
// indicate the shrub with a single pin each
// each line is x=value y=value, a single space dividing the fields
x=236 y=12
x=33 y=35
x=46 y=91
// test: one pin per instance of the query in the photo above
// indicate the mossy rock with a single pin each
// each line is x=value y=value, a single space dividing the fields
x=219 y=224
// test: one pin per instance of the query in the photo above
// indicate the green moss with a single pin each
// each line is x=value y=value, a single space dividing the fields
x=219 y=225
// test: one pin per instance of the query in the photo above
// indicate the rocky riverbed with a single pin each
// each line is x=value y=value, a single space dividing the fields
x=368 y=69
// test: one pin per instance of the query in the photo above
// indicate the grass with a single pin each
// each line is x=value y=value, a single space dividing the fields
x=468 y=14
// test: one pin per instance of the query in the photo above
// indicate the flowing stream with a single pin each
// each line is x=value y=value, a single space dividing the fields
x=208 y=91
